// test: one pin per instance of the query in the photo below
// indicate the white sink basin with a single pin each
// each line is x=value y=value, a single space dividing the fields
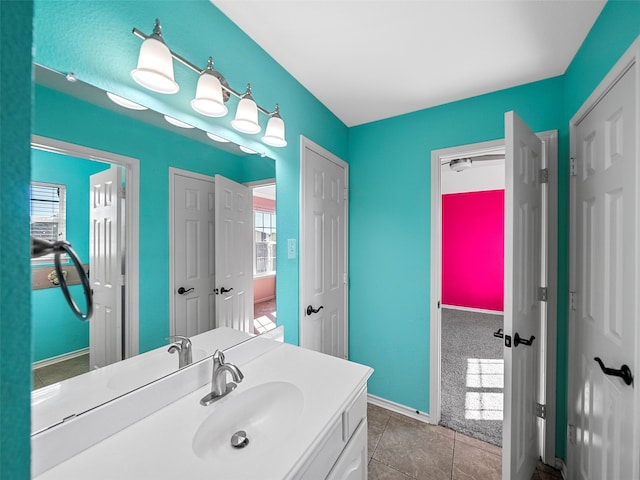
x=267 y=413
x=151 y=367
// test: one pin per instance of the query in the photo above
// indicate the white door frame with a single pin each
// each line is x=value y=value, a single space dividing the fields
x=304 y=144
x=548 y=348
x=173 y=172
x=131 y=224
x=630 y=59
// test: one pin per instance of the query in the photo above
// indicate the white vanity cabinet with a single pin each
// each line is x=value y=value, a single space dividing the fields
x=342 y=453
x=352 y=464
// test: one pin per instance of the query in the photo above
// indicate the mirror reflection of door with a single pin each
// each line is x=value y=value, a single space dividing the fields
x=212 y=281
x=264 y=257
x=61 y=342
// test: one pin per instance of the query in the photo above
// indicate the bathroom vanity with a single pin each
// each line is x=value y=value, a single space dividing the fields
x=303 y=413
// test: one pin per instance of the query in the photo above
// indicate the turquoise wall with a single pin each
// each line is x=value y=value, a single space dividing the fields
x=55 y=329
x=15 y=276
x=390 y=209
x=62 y=117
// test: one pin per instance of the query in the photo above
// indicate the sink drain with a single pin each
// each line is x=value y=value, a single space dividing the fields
x=239 y=439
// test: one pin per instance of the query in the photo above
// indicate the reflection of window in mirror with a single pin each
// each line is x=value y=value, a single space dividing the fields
x=47 y=210
x=265 y=243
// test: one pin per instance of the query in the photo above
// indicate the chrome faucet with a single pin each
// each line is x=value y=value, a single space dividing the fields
x=219 y=385
x=183 y=347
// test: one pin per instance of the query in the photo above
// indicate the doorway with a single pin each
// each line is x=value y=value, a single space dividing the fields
x=60 y=355
x=472 y=199
x=264 y=257
x=546 y=336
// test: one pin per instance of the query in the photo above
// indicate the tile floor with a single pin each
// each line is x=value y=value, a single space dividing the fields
x=401 y=448
x=57 y=372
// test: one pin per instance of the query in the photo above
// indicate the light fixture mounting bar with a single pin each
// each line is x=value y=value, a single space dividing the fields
x=143 y=36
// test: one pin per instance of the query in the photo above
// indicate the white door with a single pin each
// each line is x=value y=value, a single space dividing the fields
x=234 y=255
x=105 y=267
x=603 y=409
x=323 y=247
x=193 y=255
x=522 y=250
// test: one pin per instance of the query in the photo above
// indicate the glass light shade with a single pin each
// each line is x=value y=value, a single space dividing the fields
x=123 y=102
x=246 y=120
x=216 y=138
x=274 y=135
x=176 y=122
x=155 y=67
x=247 y=150
x=208 y=100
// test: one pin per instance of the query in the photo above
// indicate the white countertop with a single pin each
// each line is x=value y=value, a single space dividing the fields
x=161 y=445
x=51 y=404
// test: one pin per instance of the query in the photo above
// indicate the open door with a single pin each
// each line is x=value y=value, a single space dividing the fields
x=105 y=267
x=233 y=255
x=522 y=268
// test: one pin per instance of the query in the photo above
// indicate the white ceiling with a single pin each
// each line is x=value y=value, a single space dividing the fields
x=372 y=59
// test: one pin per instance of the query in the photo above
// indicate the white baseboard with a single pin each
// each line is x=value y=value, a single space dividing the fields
x=60 y=358
x=560 y=465
x=470 y=309
x=396 y=407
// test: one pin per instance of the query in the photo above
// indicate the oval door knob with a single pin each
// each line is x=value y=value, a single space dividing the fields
x=311 y=310
x=184 y=291
x=225 y=290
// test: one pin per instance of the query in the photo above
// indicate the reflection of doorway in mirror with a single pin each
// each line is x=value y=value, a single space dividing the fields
x=264 y=257
x=62 y=343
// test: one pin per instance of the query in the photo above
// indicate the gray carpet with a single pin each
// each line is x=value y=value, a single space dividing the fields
x=472 y=374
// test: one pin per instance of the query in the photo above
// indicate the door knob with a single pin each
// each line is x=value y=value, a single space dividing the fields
x=518 y=340
x=184 y=291
x=624 y=373
x=311 y=310
x=225 y=290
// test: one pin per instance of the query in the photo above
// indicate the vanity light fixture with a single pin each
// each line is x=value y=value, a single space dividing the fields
x=155 y=72
x=247 y=150
x=155 y=64
x=176 y=122
x=123 y=102
x=217 y=138
x=209 y=98
x=274 y=135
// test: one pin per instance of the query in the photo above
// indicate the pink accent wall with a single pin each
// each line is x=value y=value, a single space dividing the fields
x=264 y=288
x=264 y=204
x=473 y=250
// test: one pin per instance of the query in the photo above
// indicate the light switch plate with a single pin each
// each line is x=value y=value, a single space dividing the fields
x=291 y=248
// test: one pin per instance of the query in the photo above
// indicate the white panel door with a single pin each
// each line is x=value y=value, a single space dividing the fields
x=193 y=255
x=323 y=326
x=234 y=255
x=605 y=273
x=105 y=267
x=522 y=269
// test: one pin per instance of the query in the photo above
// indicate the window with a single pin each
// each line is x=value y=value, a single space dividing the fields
x=265 y=242
x=47 y=209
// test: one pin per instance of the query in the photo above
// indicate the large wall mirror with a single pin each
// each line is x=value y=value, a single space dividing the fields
x=80 y=135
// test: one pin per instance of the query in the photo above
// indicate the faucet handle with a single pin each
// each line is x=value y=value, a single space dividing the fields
x=218 y=356
x=185 y=342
